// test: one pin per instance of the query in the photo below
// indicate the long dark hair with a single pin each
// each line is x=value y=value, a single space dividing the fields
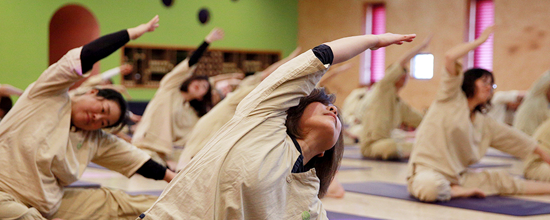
x=327 y=165
x=201 y=107
x=469 y=86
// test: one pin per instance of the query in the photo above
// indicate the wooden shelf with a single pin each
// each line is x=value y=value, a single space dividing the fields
x=151 y=63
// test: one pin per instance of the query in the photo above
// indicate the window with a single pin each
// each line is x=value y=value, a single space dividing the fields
x=422 y=66
x=482 y=15
x=373 y=62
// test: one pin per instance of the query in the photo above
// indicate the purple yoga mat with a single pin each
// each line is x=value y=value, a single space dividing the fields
x=360 y=157
x=474 y=166
x=148 y=192
x=84 y=184
x=342 y=216
x=344 y=168
x=493 y=204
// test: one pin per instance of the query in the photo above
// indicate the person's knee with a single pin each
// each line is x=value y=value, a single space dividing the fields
x=428 y=187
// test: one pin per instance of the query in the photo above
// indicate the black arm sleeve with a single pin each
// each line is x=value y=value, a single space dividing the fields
x=198 y=53
x=324 y=53
x=101 y=48
x=152 y=170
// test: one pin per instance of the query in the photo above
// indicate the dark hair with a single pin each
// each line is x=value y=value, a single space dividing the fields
x=5 y=104
x=469 y=86
x=115 y=96
x=201 y=107
x=327 y=165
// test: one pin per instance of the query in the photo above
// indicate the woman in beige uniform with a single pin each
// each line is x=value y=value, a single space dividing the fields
x=276 y=157
x=176 y=107
x=455 y=133
x=533 y=110
x=210 y=123
x=49 y=137
x=385 y=111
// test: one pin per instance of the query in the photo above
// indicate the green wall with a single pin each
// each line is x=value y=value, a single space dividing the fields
x=248 y=24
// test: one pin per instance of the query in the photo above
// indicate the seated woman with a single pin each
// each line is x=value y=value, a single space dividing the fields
x=49 y=137
x=181 y=99
x=385 y=111
x=455 y=133
x=276 y=157
x=533 y=110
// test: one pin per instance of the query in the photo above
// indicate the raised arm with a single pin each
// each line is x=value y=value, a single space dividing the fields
x=404 y=59
x=462 y=49
x=214 y=35
x=106 y=45
x=141 y=29
x=9 y=90
x=298 y=77
x=183 y=70
x=349 y=47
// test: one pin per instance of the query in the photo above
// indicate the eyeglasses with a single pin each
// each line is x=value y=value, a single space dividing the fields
x=489 y=83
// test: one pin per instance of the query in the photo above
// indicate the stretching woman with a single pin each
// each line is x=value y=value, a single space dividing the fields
x=455 y=133
x=276 y=157
x=385 y=111
x=179 y=102
x=49 y=138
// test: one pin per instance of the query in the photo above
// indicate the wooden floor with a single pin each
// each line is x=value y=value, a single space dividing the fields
x=353 y=203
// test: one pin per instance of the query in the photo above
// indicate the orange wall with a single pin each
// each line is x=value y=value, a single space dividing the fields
x=521 y=45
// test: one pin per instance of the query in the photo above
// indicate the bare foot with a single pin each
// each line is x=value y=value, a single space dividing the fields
x=458 y=191
x=335 y=190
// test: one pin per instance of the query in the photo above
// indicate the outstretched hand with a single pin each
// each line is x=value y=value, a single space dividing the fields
x=388 y=39
x=126 y=69
x=214 y=35
x=141 y=29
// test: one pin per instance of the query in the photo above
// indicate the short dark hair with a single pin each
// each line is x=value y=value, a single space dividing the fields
x=469 y=86
x=115 y=96
x=327 y=165
x=5 y=104
x=201 y=107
